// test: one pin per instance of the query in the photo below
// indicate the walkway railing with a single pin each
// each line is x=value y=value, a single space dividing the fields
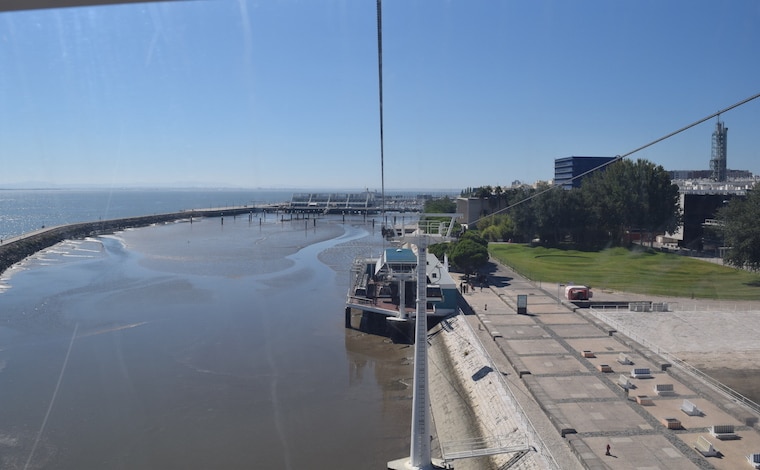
x=480 y=446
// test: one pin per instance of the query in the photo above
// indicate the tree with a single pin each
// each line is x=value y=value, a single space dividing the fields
x=442 y=205
x=522 y=213
x=630 y=196
x=484 y=192
x=440 y=249
x=474 y=236
x=468 y=255
x=496 y=228
x=549 y=214
x=740 y=220
x=657 y=197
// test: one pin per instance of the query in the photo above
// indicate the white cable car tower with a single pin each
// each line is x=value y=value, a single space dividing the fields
x=419 y=458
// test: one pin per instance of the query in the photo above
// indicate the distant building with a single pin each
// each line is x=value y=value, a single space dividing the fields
x=473 y=208
x=708 y=175
x=570 y=171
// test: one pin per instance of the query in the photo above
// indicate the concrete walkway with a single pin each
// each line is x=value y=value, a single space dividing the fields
x=562 y=367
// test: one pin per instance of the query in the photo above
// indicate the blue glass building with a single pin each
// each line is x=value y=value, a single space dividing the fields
x=570 y=171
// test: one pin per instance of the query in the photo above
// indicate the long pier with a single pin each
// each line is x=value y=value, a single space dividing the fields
x=16 y=249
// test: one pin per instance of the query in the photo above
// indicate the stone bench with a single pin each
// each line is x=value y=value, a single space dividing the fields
x=705 y=447
x=664 y=389
x=754 y=460
x=723 y=431
x=644 y=400
x=671 y=423
x=641 y=373
x=604 y=368
x=624 y=359
x=690 y=408
x=587 y=353
x=625 y=383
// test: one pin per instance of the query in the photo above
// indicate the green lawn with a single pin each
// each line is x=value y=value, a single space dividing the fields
x=631 y=271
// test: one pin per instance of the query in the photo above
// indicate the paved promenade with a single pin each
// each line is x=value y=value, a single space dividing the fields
x=563 y=368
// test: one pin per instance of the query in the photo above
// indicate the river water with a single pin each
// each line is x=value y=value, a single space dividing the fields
x=195 y=346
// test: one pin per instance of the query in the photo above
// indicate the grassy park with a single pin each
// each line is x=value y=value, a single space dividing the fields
x=639 y=271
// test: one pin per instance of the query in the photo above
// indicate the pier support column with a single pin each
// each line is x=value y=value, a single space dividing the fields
x=402 y=299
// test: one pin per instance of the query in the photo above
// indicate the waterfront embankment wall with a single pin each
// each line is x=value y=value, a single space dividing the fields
x=16 y=249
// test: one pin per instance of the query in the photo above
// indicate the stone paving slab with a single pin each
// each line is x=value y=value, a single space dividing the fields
x=645 y=452
x=512 y=319
x=602 y=344
x=522 y=332
x=561 y=318
x=733 y=453
x=604 y=416
x=581 y=330
x=575 y=387
x=545 y=309
x=563 y=363
x=537 y=346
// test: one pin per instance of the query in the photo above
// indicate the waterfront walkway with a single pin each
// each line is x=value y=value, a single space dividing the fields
x=562 y=367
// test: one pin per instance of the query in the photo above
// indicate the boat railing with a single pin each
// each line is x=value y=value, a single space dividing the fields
x=358 y=300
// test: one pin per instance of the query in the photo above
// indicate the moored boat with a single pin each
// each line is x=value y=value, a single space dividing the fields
x=384 y=288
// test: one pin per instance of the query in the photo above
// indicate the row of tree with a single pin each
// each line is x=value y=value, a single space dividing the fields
x=626 y=198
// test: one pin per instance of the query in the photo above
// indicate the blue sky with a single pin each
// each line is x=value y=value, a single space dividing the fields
x=283 y=93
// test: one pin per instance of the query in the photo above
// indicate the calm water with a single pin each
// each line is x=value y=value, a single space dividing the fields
x=198 y=346
x=22 y=211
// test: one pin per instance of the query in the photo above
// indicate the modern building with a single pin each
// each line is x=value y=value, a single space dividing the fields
x=700 y=202
x=570 y=171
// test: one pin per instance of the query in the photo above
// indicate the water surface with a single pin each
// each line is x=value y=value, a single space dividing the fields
x=197 y=346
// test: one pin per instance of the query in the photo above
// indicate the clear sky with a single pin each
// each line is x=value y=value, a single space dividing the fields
x=284 y=93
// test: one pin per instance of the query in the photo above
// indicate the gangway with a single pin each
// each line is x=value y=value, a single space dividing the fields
x=481 y=447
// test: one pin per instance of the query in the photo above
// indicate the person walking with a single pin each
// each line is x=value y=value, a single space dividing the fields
x=608 y=450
